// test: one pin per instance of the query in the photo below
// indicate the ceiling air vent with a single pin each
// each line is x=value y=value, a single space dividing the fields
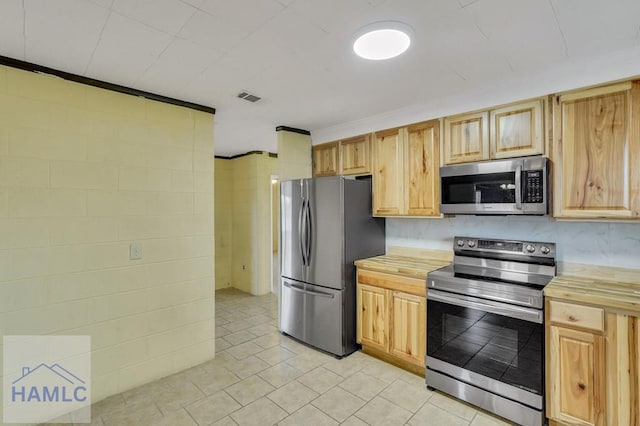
x=249 y=97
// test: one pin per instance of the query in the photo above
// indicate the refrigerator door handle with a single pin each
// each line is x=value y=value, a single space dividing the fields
x=301 y=231
x=309 y=292
x=309 y=233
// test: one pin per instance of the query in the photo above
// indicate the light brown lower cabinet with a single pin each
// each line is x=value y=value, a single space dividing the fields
x=593 y=365
x=373 y=317
x=408 y=325
x=391 y=318
x=622 y=370
x=577 y=383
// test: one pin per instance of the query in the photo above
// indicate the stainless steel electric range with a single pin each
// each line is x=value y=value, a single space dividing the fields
x=485 y=326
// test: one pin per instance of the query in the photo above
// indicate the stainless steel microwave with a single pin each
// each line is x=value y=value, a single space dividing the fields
x=517 y=186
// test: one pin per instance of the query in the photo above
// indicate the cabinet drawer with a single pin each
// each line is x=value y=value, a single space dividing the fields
x=576 y=315
x=393 y=282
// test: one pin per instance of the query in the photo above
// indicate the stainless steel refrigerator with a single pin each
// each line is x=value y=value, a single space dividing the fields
x=325 y=224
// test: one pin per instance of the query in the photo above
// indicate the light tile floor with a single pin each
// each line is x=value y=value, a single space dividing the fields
x=260 y=377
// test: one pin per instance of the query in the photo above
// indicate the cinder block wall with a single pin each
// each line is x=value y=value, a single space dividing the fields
x=84 y=172
x=223 y=221
x=243 y=222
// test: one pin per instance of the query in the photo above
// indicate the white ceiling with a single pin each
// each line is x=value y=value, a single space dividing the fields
x=296 y=54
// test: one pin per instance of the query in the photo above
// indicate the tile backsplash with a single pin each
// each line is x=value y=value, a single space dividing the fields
x=596 y=243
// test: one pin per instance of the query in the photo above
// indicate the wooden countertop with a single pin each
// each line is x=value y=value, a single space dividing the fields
x=615 y=295
x=617 y=289
x=414 y=267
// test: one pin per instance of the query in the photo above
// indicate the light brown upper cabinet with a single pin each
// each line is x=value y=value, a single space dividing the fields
x=516 y=130
x=422 y=169
x=511 y=131
x=325 y=159
x=388 y=165
x=354 y=157
x=466 y=138
x=596 y=152
x=406 y=169
x=345 y=157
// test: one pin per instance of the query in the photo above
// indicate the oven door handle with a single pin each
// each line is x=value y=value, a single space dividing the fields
x=526 y=314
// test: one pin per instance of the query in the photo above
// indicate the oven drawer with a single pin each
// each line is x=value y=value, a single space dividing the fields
x=573 y=315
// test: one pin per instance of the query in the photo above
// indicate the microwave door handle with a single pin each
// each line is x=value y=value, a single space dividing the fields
x=519 y=187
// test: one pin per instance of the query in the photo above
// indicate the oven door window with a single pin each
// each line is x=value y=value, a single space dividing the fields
x=491 y=188
x=506 y=349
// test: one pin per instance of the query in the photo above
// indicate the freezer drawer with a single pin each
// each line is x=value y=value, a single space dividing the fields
x=313 y=314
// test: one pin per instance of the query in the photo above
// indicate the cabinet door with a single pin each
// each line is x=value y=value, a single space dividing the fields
x=325 y=159
x=516 y=130
x=621 y=372
x=421 y=169
x=576 y=377
x=372 y=317
x=637 y=367
x=408 y=326
x=635 y=363
x=466 y=138
x=354 y=156
x=388 y=188
x=596 y=152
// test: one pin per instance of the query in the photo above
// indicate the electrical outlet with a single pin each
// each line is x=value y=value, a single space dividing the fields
x=135 y=251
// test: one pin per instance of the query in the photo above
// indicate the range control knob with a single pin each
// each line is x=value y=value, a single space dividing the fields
x=460 y=243
x=530 y=248
x=471 y=243
x=545 y=250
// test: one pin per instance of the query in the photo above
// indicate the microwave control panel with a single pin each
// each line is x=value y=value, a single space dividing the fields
x=533 y=186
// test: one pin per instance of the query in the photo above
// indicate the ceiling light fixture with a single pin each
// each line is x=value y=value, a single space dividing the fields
x=382 y=40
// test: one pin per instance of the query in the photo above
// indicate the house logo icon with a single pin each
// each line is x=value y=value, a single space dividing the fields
x=47 y=379
x=48 y=383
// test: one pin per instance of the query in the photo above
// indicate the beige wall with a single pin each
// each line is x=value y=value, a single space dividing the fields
x=294 y=162
x=83 y=173
x=223 y=221
x=245 y=222
x=266 y=168
x=248 y=222
x=294 y=155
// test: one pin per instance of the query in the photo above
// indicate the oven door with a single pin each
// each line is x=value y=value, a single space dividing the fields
x=489 y=345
